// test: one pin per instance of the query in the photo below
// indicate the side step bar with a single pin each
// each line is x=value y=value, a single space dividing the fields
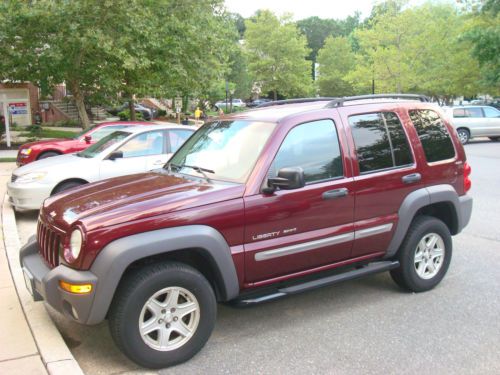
x=369 y=269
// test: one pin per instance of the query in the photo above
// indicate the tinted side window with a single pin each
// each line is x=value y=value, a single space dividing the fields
x=144 y=144
x=104 y=131
x=380 y=141
x=459 y=112
x=315 y=148
x=433 y=135
x=474 y=112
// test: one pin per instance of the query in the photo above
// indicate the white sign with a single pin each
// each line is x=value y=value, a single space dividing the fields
x=178 y=104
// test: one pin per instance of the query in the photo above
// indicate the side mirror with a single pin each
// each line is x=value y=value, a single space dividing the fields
x=287 y=179
x=115 y=155
x=87 y=138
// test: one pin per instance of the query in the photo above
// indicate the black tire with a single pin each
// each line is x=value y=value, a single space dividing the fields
x=66 y=185
x=494 y=139
x=132 y=295
x=463 y=136
x=406 y=275
x=48 y=154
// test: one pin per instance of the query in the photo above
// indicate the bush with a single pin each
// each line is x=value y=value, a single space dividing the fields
x=162 y=113
x=125 y=115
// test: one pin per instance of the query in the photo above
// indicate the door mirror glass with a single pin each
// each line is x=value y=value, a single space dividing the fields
x=115 y=155
x=287 y=179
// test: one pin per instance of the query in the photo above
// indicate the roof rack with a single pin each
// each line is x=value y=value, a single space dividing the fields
x=295 y=101
x=339 y=102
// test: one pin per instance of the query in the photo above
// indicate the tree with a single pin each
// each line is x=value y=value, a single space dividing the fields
x=335 y=60
x=102 y=48
x=276 y=55
x=415 y=50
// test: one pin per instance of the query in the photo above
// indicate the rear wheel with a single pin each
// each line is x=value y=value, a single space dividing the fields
x=463 y=135
x=162 y=314
x=424 y=256
x=48 y=154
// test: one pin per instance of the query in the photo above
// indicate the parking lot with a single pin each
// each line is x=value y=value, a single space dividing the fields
x=363 y=326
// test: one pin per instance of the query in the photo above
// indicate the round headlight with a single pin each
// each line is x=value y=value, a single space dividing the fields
x=75 y=243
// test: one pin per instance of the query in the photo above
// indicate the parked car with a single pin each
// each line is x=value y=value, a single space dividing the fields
x=221 y=104
x=257 y=102
x=147 y=113
x=132 y=149
x=475 y=121
x=254 y=207
x=32 y=151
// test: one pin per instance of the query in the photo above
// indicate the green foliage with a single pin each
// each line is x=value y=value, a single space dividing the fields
x=336 y=59
x=276 y=55
x=415 y=50
x=125 y=115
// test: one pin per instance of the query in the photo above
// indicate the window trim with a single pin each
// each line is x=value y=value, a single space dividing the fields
x=264 y=182
x=394 y=167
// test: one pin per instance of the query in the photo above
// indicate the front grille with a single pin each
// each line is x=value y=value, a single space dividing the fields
x=48 y=243
x=13 y=178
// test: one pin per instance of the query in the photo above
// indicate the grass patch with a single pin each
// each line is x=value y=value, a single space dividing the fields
x=49 y=133
x=7 y=160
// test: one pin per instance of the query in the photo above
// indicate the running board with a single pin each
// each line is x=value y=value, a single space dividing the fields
x=369 y=269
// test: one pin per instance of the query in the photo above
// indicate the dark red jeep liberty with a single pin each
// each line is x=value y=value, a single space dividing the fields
x=255 y=206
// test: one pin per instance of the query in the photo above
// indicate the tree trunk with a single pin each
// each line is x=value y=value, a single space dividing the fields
x=131 y=108
x=80 y=105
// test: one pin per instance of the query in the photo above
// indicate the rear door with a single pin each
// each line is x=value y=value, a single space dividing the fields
x=492 y=120
x=385 y=172
x=291 y=231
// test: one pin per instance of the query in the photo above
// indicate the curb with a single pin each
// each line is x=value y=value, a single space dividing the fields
x=54 y=352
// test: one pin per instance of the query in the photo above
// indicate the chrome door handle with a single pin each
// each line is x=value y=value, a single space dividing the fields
x=337 y=193
x=411 y=178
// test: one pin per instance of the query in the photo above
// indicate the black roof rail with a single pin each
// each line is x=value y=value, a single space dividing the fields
x=295 y=101
x=339 y=102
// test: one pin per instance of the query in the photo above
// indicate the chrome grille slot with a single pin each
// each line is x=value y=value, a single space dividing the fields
x=48 y=243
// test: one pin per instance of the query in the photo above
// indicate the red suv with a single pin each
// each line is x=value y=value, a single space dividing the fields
x=253 y=207
x=52 y=147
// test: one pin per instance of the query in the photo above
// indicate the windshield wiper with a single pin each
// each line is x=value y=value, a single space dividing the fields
x=200 y=170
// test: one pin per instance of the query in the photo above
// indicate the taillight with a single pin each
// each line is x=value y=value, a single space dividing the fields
x=467 y=181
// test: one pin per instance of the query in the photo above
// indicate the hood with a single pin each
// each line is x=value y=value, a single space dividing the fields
x=48 y=142
x=53 y=163
x=133 y=197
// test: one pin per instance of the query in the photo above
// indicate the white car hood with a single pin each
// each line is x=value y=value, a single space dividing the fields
x=62 y=164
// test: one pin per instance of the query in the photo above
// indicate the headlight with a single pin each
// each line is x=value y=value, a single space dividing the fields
x=75 y=244
x=25 y=151
x=31 y=177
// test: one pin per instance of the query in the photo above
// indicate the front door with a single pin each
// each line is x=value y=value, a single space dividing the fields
x=291 y=231
x=139 y=155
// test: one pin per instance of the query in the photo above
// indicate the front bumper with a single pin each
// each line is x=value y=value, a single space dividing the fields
x=28 y=196
x=43 y=283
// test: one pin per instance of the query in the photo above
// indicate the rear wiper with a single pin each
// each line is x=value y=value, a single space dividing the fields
x=200 y=170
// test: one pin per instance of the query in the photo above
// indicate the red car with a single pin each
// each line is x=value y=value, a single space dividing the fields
x=30 y=152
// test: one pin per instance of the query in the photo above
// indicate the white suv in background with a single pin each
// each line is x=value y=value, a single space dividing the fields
x=475 y=121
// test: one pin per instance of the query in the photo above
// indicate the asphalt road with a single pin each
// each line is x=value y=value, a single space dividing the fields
x=366 y=326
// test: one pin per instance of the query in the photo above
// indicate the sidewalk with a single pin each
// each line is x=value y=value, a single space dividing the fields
x=29 y=341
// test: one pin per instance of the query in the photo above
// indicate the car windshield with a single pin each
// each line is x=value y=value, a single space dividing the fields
x=103 y=144
x=84 y=131
x=223 y=150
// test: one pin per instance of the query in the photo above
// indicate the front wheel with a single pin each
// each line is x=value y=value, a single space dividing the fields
x=162 y=314
x=424 y=256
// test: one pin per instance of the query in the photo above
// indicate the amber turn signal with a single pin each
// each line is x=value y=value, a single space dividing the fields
x=75 y=288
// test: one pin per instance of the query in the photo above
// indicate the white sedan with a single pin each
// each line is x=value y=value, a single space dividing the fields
x=475 y=121
x=134 y=149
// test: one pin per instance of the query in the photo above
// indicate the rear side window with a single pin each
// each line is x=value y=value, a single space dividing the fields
x=467 y=112
x=380 y=141
x=433 y=135
x=315 y=148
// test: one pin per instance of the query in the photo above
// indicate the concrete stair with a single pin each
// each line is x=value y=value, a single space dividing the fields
x=99 y=114
x=68 y=108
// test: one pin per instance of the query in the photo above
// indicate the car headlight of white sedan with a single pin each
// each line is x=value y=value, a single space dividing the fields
x=30 y=177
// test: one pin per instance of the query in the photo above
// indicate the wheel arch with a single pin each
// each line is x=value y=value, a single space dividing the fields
x=200 y=246
x=439 y=201
x=40 y=153
x=72 y=179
